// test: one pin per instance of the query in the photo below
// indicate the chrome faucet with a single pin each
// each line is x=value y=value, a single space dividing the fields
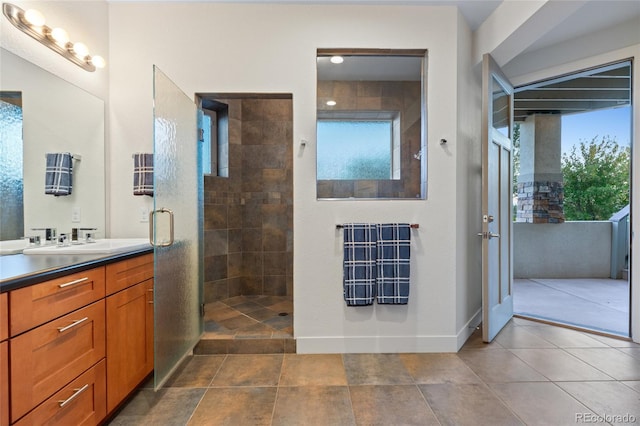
x=49 y=234
x=63 y=240
x=33 y=240
x=89 y=235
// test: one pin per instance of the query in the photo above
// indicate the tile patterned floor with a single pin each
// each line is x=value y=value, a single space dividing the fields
x=532 y=374
x=248 y=324
x=249 y=317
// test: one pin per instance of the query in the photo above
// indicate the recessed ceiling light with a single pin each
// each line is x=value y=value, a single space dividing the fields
x=331 y=103
x=337 y=59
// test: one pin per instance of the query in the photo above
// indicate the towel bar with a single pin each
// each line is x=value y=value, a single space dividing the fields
x=413 y=226
x=76 y=157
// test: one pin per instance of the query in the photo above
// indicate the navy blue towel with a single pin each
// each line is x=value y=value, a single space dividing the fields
x=393 y=255
x=359 y=279
x=143 y=174
x=58 y=175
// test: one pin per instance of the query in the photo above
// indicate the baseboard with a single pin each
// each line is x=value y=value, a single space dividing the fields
x=376 y=344
x=465 y=332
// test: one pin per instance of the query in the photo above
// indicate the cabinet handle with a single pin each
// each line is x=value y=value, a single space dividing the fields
x=74 y=282
x=73 y=324
x=74 y=396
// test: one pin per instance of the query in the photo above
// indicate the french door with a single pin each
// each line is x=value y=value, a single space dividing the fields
x=497 y=264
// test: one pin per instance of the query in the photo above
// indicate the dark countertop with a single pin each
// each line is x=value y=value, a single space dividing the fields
x=21 y=270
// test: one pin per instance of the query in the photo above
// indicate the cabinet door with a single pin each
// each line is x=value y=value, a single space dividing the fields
x=48 y=357
x=81 y=403
x=4 y=383
x=129 y=359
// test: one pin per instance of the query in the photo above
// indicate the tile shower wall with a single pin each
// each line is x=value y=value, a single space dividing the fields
x=248 y=226
x=397 y=96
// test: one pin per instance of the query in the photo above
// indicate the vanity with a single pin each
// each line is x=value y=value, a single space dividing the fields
x=76 y=335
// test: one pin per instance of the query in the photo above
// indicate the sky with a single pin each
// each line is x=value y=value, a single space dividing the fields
x=614 y=122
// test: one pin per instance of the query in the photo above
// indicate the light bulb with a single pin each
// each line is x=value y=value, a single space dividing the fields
x=80 y=49
x=34 y=18
x=337 y=59
x=331 y=103
x=60 y=36
x=98 y=61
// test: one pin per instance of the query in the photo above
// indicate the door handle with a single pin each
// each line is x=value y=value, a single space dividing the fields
x=488 y=235
x=152 y=216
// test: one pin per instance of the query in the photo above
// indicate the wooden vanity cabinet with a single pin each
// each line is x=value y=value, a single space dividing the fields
x=4 y=359
x=129 y=327
x=77 y=345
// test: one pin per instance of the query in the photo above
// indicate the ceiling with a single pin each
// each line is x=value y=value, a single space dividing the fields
x=602 y=88
x=593 y=16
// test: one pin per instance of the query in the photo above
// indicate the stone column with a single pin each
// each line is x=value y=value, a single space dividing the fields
x=540 y=185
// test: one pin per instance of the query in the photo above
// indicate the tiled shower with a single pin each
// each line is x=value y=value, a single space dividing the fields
x=248 y=216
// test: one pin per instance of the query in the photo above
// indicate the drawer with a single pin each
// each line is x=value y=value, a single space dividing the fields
x=4 y=383
x=4 y=316
x=46 y=358
x=126 y=273
x=39 y=303
x=81 y=402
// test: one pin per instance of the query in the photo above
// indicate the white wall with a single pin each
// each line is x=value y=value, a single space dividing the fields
x=468 y=189
x=207 y=47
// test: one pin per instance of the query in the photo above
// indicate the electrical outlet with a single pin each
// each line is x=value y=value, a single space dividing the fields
x=75 y=215
x=144 y=214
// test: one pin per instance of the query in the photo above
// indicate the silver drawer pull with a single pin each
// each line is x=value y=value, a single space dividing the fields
x=74 y=396
x=73 y=324
x=74 y=282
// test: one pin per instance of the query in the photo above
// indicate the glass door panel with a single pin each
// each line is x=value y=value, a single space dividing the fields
x=176 y=227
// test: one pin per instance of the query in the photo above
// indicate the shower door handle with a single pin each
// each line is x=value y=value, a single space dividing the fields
x=152 y=217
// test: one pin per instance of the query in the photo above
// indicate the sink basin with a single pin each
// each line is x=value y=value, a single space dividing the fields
x=103 y=246
x=12 y=246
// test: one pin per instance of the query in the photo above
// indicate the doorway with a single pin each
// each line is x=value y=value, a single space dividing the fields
x=571 y=199
x=248 y=224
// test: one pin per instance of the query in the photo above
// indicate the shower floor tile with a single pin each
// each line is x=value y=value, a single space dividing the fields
x=246 y=317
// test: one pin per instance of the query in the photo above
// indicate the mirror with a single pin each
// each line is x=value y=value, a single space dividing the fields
x=56 y=117
x=371 y=124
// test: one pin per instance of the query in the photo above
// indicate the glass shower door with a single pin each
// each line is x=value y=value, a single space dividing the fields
x=176 y=227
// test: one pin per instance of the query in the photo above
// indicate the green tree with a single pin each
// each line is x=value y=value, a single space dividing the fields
x=596 y=179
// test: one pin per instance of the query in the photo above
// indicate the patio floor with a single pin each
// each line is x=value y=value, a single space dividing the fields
x=592 y=303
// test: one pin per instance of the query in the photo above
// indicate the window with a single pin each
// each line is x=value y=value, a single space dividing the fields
x=370 y=125
x=215 y=138
x=355 y=149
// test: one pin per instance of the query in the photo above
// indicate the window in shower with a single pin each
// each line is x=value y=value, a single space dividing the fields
x=215 y=137
x=371 y=124
x=356 y=149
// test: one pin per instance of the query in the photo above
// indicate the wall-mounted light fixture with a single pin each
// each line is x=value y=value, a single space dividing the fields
x=32 y=22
